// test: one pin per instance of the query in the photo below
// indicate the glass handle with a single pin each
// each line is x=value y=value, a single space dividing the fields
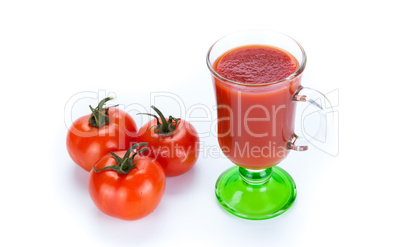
x=319 y=104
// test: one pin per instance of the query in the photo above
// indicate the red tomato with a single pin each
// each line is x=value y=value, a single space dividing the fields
x=86 y=144
x=177 y=149
x=129 y=196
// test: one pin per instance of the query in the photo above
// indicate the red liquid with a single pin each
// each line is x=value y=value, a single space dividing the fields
x=256 y=65
x=255 y=122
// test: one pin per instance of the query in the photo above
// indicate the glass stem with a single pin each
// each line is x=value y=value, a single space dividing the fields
x=255 y=177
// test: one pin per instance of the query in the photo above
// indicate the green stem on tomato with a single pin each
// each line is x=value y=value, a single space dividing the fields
x=166 y=127
x=125 y=164
x=100 y=115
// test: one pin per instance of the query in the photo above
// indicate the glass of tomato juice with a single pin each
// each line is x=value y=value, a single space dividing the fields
x=256 y=76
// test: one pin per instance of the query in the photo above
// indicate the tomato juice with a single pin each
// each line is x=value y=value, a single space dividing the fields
x=254 y=93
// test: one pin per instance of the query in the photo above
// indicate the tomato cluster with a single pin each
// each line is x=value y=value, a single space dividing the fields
x=127 y=168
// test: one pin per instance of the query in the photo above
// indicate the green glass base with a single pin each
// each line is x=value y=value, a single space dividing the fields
x=255 y=195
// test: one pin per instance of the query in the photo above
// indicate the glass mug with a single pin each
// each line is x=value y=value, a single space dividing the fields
x=256 y=129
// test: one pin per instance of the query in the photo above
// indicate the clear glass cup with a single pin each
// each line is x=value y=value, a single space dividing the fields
x=256 y=129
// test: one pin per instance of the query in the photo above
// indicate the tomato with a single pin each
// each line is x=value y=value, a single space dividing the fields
x=127 y=188
x=174 y=143
x=93 y=136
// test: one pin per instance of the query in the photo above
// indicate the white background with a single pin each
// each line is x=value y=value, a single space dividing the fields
x=52 y=50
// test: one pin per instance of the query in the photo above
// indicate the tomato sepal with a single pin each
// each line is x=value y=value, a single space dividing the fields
x=126 y=164
x=100 y=115
x=166 y=127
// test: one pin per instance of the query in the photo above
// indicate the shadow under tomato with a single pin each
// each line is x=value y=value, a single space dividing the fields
x=140 y=231
x=80 y=177
x=181 y=183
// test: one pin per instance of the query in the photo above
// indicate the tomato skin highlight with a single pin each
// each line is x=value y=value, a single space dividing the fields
x=176 y=152
x=87 y=144
x=131 y=196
